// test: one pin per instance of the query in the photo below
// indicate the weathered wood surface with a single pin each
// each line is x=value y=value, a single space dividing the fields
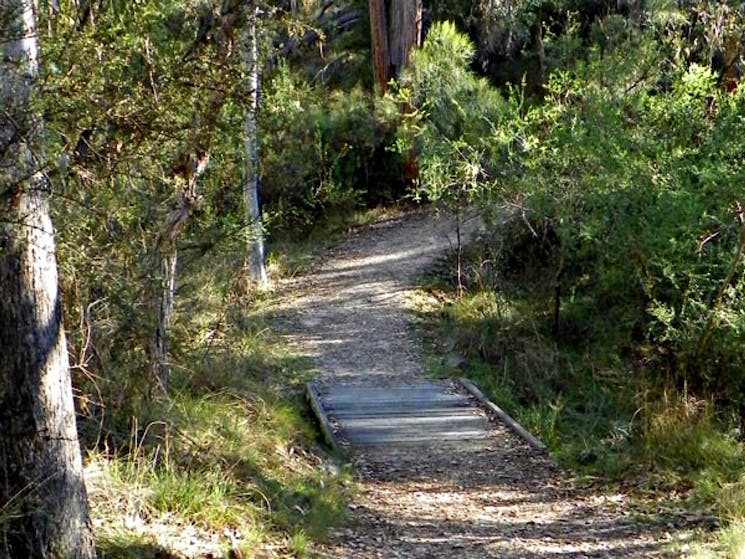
x=425 y=412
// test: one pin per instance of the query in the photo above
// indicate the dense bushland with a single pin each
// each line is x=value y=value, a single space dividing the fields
x=145 y=105
x=605 y=301
x=635 y=195
x=601 y=142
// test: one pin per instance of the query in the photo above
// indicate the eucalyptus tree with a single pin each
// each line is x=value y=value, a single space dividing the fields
x=43 y=505
x=158 y=78
x=396 y=29
x=255 y=236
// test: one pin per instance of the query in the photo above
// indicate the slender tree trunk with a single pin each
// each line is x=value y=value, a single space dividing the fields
x=255 y=243
x=188 y=203
x=168 y=259
x=43 y=505
x=459 y=290
x=188 y=167
x=541 y=49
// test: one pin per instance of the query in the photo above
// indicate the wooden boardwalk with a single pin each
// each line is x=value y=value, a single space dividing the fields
x=425 y=412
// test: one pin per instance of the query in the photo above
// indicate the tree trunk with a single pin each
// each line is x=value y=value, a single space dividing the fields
x=43 y=504
x=188 y=203
x=395 y=34
x=732 y=54
x=379 y=45
x=405 y=33
x=541 y=49
x=164 y=312
x=188 y=167
x=396 y=31
x=255 y=231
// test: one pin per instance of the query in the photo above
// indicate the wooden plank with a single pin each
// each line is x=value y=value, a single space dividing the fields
x=400 y=412
x=382 y=405
x=362 y=439
x=354 y=395
x=504 y=416
x=425 y=412
x=314 y=398
x=410 y=422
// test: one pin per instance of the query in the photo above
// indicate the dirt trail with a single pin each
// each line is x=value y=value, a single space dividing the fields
x=492 y=498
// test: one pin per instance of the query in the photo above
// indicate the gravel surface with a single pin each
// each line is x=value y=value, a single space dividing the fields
x=489 y=498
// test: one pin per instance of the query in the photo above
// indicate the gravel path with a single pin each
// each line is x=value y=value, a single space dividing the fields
x=490 y=498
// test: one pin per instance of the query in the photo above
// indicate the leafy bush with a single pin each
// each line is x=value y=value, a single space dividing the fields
x=454 y=115
x=605 y=308
x=322 y=150
x=643 y=189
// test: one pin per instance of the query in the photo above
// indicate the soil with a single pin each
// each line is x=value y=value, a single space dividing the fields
x=479 y=499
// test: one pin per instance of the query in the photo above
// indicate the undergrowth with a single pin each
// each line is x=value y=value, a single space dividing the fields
x=229 y=464
x=223 y=471
x=602 y=414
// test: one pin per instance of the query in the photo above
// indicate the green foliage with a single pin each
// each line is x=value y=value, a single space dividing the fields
x=125 y=98
x=640 y=188
x=232 y=453
x=455 y=113
x=730 y=544
x=597 y=415
x=229 y=457
x=614 y=277
x=322 y=151
x=605 y=308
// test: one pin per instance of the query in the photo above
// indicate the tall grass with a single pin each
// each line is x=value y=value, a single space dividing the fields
x=240 y=472
x=602 y=416
x=229 y=464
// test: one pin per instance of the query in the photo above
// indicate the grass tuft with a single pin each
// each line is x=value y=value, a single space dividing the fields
x=230 y=468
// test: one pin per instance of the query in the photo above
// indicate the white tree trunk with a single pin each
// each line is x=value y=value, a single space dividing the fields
x=159 y=356
x=255 y=243
x=43 y=503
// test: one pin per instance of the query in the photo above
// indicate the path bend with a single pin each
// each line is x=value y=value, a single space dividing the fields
x=492 y=497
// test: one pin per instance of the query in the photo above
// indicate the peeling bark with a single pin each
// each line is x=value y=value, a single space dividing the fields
x=405 y=33
x=379 y=31
x=396 y=30
x=188 y=203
